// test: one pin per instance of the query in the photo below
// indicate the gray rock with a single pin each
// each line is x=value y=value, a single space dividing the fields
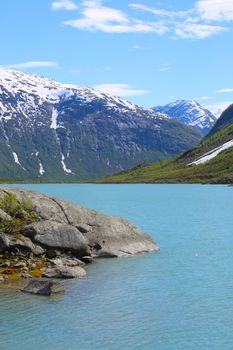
x=62 y=261
x=52 y=253
x=45 y=288
x=5 y=264
x=4 y=242
x=87 y=259
x=4 y=216
x=10 y=242
x=104 y=253
x=64 y=272
x=56 y=235
x=38 y=250
x=61 y=220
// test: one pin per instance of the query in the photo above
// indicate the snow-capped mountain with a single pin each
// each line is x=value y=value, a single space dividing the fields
x=218 y=108
x=55 y=131
x=189 y=112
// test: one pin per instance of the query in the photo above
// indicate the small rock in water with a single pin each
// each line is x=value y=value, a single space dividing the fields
x=45 y=288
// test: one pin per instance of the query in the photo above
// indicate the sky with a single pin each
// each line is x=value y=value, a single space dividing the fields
x=150 y=52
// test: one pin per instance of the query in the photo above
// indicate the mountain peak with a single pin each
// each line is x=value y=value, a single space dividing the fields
x=189 y=112
x=49 y=90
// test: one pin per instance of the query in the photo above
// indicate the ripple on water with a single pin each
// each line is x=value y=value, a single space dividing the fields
x=179 y=299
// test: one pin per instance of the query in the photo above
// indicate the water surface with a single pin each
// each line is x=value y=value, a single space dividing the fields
x=179 y=299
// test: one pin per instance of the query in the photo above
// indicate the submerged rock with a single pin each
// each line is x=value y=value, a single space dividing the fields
x=46 y=288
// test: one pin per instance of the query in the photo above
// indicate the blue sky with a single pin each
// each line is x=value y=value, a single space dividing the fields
x=151 y=52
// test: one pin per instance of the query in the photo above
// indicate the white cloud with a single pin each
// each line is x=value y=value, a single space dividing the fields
x=136 y=47
x=215 y=10
x=197 y=30
x=205 y=98
x=33 y=64
x=123 y=90
x=161 y=12
x=96 y=17
x=225 y=90
x=190 y=24
x=68 y=5
x=164 y=67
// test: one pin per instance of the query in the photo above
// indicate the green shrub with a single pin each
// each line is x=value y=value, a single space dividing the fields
x=21 y=213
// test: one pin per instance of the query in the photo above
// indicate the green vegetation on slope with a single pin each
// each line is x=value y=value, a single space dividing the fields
x=224 y=121
x=176 y=170
x=20 y=213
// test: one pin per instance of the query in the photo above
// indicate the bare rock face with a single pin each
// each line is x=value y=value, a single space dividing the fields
x=52 y=234
x=46 y=288
x=79 y=231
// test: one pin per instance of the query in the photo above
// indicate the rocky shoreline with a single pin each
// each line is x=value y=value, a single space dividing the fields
x=44 y=238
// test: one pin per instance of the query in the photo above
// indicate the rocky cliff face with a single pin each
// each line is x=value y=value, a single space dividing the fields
x=62 y=237
x=53 y=131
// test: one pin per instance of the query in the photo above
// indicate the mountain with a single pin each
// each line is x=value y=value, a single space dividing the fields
x=225 y=120
x=218 y=108
x=209 y=162
x=190 y=113
x=53 y=131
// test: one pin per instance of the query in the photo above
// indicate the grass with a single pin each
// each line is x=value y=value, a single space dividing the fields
x=21 y=213
x=175 y=170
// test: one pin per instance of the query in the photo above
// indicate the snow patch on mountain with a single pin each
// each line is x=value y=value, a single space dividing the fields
x=16 y=158
x=66 y=170
x=54 y=119
x=41 y=168
x=212 y=154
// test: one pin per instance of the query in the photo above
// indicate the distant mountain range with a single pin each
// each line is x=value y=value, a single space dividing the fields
x=209 y=162
x=190 y=113
x=218 y=108
x=56 y=132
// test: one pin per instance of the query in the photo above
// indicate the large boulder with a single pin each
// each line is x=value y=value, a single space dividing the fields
x=69 y=226
x=46 y=288
x=9 y=242
x=57 y=235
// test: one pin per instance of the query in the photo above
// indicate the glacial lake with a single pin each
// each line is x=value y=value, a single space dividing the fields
x=178 y=299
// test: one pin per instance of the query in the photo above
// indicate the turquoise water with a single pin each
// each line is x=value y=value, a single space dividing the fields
x=179 y=299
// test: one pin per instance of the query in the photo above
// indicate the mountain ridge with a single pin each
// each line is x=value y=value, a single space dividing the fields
x=209 y=162
x=55 y=131
x=190 y=113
